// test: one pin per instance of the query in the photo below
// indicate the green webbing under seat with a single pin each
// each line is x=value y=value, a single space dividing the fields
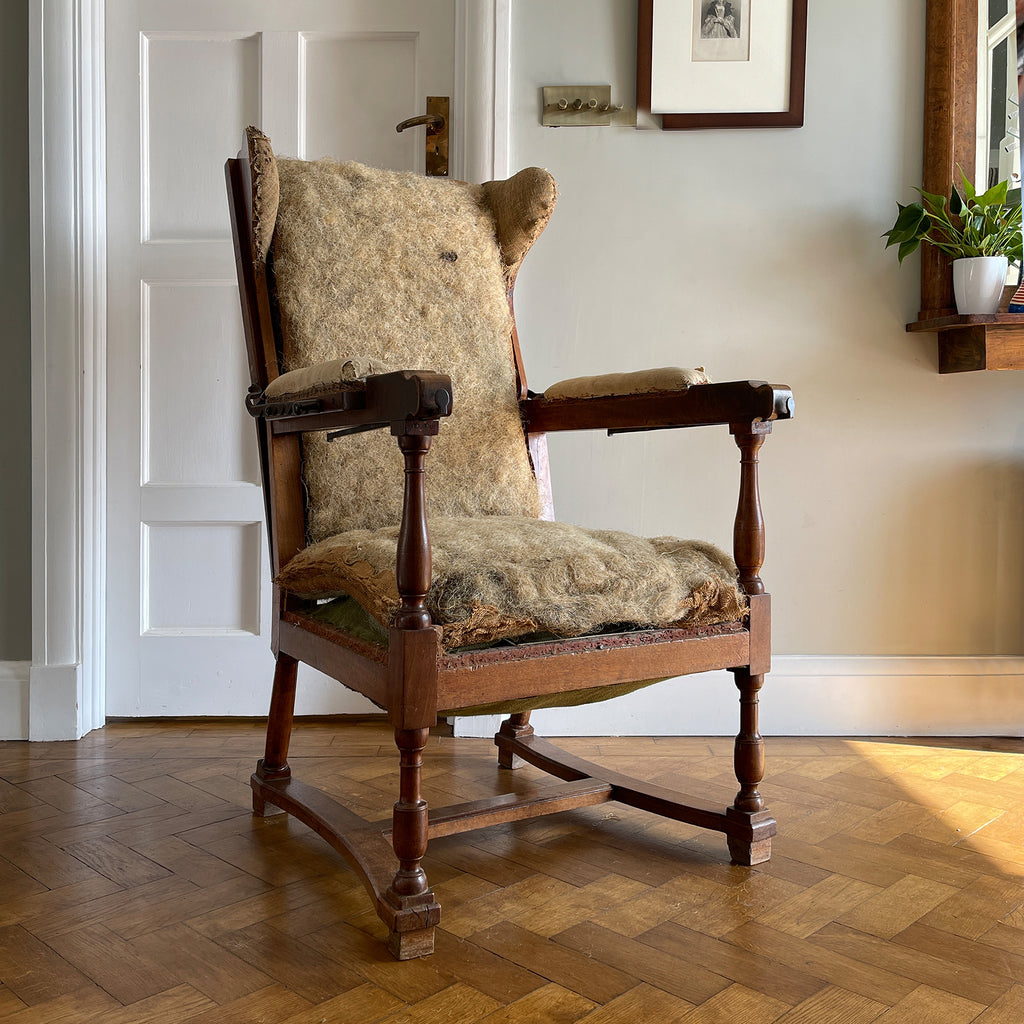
x=350 y=617
x=591 y=695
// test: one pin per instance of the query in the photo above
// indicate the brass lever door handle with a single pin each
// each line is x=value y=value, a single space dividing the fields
x=437 y=121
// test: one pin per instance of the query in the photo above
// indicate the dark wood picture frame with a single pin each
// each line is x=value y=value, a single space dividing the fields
x=792 y=117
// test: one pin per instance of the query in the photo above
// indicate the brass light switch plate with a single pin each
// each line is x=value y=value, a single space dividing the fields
x=578 y=105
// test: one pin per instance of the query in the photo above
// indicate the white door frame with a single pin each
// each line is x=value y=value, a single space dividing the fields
x=68 y=223
x=67 y=149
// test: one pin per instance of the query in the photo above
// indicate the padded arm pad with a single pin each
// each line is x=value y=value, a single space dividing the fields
x=642 y=382
x=324 y=378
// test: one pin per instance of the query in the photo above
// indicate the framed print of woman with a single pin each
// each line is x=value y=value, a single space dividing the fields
x=721 y=30
x=752 y=80
x=719 y=21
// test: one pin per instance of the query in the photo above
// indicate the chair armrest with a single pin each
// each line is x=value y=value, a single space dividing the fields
x=637 y=382
x=698 y=405
x=356 y=405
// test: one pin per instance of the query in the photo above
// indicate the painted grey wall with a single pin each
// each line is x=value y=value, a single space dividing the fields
x=895 y=500
x=15 y=437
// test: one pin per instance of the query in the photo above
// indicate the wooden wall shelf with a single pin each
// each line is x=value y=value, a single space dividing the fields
x=993 y=342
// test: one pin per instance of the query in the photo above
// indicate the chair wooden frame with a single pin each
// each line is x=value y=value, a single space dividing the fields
x=415 y=677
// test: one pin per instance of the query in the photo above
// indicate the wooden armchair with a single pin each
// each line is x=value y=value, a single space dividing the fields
x=351 y=278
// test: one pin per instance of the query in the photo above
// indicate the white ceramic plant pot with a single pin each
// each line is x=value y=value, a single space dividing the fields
x=978 y=283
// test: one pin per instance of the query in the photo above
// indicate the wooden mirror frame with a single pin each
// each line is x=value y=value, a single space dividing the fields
x=950 y=123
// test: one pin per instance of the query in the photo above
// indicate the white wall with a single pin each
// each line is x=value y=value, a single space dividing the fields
x=895 y=500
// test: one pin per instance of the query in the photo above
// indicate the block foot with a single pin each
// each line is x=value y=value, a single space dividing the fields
x=749 y=853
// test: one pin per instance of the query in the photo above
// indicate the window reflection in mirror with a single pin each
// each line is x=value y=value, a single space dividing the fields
x=1000 y=82
x=998 y=149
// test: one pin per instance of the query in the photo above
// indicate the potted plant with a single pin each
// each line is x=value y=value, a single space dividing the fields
x=981 y=233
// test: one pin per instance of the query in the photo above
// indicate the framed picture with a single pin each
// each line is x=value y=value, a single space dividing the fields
x=722 y=63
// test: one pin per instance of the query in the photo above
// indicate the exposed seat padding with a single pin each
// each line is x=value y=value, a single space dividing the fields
x=507 y=576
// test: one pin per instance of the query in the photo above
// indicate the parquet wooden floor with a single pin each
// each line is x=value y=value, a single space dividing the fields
x=136 y=886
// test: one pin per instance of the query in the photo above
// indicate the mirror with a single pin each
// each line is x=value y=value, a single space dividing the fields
x=997 y=151
x=971 y=113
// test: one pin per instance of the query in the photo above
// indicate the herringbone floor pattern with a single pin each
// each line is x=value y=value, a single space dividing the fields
x=135 y=886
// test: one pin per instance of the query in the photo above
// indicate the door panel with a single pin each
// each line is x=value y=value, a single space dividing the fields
x=196 y=88
x=383 y=66
x=194 y=325
x=188 y=597
x=224 y=556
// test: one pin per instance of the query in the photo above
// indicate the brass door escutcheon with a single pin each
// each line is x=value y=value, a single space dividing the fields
x=436 y=140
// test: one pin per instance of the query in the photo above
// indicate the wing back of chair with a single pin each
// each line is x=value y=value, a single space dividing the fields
x=378 y=271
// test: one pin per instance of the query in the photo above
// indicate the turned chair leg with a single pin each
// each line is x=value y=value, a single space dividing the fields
x=274 y=763
x=748 y=758
x=409 y=834
x=515 y=727
x=412 y=933
x=751 y=827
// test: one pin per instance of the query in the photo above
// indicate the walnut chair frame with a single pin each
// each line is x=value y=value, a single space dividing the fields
x=415 y=676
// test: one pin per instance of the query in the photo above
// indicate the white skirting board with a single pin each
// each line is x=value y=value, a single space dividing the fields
x=811 y=696
x=803 y=696
x=14 y=700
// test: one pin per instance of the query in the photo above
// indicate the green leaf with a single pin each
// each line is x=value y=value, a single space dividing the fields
x=910 y=222
x=996 y=195
x=906 y=248
x=968 y=191
x=934 y=200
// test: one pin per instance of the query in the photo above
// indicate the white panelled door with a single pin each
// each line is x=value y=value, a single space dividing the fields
x=187 y=572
